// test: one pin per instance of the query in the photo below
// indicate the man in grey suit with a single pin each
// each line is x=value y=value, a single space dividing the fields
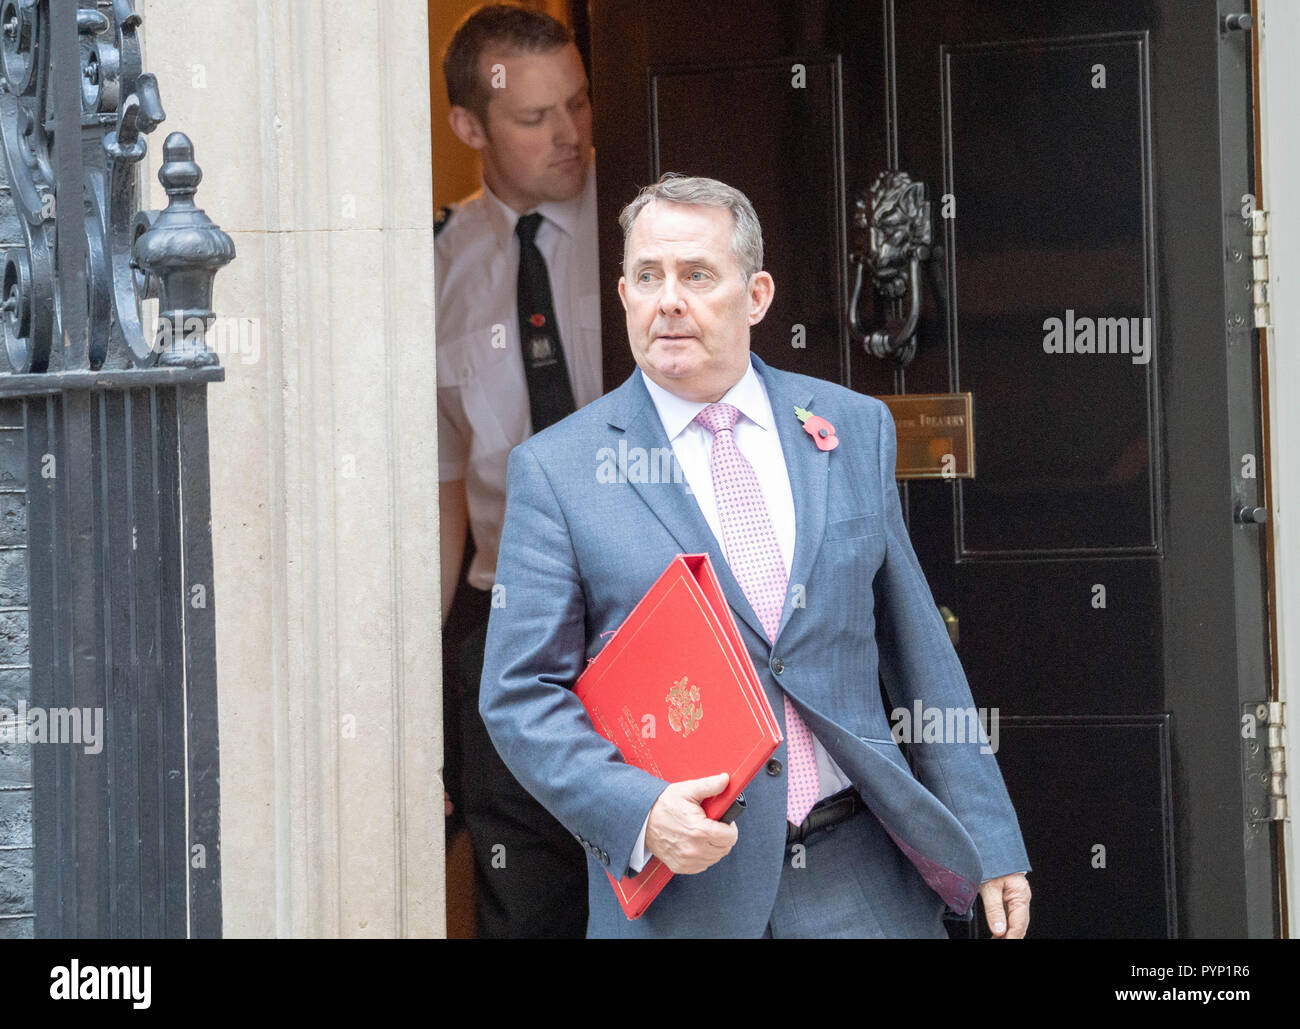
x=841 y=836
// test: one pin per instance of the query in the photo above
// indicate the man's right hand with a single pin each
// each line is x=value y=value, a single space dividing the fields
x=681 y=835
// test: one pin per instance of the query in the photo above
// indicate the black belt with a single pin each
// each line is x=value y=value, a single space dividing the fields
x=831 y=811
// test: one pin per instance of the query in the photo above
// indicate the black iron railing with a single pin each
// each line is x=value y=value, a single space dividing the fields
x=113 y=411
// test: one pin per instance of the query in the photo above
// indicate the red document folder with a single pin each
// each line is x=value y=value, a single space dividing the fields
x=677 y=693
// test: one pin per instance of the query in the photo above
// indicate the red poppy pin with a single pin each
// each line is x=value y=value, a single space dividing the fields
x=822 y=431
x=538 y=320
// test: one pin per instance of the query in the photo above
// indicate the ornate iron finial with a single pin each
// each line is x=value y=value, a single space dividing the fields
x=182 y=250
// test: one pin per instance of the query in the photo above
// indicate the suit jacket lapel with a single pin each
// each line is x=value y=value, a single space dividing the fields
x=636 y=417
x=808 y=468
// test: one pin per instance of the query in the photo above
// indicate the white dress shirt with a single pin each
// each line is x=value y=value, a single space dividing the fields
x=482 y=391
x=758 y=440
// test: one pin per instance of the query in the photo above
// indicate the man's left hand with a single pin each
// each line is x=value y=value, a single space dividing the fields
x=1006 y=906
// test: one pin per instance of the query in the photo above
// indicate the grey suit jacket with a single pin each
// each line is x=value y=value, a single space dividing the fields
x=578 y=551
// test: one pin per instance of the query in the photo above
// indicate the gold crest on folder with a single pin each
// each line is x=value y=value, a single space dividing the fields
x=684 y=708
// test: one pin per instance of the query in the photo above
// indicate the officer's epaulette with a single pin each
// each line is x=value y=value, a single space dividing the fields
x=441 y=219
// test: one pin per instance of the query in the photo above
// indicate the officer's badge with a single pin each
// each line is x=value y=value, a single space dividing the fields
x=684 y=708
x=539 y=350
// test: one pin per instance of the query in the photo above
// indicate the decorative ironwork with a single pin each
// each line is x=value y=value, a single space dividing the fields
x=893 y=222
x=114 y=417
x=179 y=252
x=72 y=297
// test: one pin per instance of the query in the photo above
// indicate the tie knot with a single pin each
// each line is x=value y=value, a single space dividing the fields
x=717 y=417
x=526 y=227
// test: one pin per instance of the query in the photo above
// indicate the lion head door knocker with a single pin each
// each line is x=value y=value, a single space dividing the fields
x=894 y=236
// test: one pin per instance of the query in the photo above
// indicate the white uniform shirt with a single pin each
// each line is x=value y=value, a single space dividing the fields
x=757 y=439
x=482 y=392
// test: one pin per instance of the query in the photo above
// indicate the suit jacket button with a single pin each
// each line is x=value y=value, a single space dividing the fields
x=774 y=767
x=778 y=665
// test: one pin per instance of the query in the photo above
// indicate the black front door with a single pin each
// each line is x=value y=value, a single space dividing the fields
x=1086 y=166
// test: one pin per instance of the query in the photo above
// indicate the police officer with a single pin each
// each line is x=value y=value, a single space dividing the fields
x=518 y=348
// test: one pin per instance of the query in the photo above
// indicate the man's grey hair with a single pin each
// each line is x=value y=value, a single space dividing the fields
x=746 y=234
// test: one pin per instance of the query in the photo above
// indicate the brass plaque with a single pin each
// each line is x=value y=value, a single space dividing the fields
x=936 y=438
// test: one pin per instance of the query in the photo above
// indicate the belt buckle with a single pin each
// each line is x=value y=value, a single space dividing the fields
x=802 y=832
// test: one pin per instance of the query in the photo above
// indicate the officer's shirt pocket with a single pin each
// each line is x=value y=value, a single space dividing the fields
x=492 y=388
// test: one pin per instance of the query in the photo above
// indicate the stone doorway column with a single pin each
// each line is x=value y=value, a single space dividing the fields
x=311 y=122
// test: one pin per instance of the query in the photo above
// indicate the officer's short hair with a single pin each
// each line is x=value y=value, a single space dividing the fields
x=507 y=28
x=746 y=233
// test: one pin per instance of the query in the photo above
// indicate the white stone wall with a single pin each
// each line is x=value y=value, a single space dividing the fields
x=1279 y=78
x=310 y=119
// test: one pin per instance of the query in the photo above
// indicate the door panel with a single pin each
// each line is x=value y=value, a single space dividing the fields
x=802 y=126
x=1061 y=231
x=1124 y=830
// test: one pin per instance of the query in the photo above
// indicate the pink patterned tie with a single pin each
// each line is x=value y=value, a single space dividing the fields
x=755 y=559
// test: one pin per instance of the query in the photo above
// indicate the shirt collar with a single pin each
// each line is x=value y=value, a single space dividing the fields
x=676 y=413
x=501 y=218
x=563 y=214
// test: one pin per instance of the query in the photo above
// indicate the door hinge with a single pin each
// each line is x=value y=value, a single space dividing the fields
x=1264 y=761
x=1259 y=248
x=1277 y=761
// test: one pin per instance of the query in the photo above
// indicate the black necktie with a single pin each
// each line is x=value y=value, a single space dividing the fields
x=550 y=396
